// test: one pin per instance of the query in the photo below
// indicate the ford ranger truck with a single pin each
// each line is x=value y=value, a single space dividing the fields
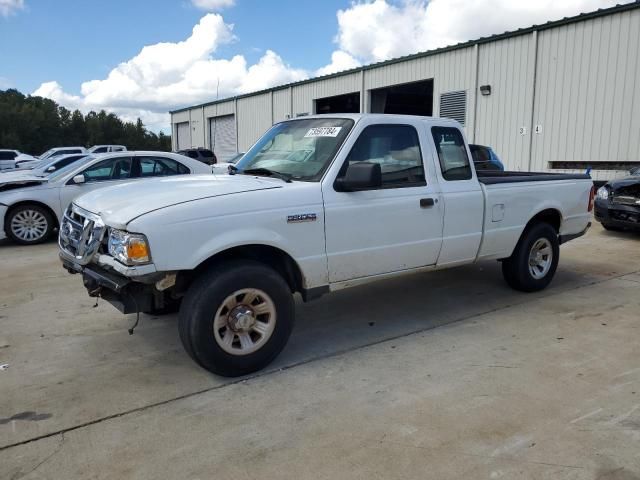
x=319 y=203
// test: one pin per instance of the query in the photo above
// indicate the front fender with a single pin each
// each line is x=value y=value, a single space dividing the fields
x=178 y=244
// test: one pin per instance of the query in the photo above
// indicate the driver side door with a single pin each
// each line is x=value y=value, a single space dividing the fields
x=395 y=227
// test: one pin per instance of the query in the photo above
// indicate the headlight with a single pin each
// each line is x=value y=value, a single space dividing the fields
x=129 y=248
x=603 y=193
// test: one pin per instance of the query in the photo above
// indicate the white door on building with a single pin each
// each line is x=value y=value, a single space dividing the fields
x=222 y=135
x=184 y=137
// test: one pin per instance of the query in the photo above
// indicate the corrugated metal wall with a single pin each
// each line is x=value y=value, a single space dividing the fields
x=254 y=117
x=304 y=95
x=587 y=97
x=452 y=70
x=508 y=67
x=578 y=83
x=281 y=104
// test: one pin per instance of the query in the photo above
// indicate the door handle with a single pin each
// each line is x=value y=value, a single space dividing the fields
x=427 y=202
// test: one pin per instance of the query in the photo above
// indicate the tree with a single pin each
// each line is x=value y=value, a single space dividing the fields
x=36 y=124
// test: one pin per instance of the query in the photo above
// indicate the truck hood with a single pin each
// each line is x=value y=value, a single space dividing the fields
x=120 y=204
x=12 y=180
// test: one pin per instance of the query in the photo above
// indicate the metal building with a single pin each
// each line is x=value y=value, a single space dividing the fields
x=560 y=96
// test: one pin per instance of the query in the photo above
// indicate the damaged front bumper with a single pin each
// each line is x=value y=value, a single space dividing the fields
x=127 y=295
x=617 y=214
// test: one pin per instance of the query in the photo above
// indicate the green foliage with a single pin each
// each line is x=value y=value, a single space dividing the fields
x=35 y=124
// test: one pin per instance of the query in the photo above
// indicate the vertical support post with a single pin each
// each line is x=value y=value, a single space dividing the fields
x=363 y=100
x=290 y=102
x=476 y=55
x=533 y=96
x=235 y=118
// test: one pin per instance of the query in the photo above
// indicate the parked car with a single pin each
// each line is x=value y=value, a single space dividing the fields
x=223 y=167
x=484 y=158
x=379 y=195
x=54 y=152
x=618 y=203
x=107 y=148
x=39 y=167
x=203 y=155
x=8 y=158
x=31 y=206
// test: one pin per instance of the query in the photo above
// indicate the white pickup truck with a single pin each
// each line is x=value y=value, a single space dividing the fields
x=317 y=204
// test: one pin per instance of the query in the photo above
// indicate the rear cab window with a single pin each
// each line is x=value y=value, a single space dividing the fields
x=452 y=153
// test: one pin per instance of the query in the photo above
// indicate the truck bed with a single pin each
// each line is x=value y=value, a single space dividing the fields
x=491 y=177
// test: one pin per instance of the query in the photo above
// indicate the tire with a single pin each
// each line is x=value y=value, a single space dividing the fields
x=236 y=317
x=526 y=271
x=29 y=224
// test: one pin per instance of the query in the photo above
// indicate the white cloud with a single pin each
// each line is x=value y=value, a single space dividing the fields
x=379 y=30
x=340 y=61
x=212 y=5
x=168 y=75
x=9 y=7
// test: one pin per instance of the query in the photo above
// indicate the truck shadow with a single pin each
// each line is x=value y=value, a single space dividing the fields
x=360 y=316
x=369 y=314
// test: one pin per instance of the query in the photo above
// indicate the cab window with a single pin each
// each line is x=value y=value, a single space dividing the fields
x=396 y=148
x=452 y=153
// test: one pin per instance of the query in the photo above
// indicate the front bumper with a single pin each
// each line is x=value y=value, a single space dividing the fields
x=126 y=295
x=617 y=215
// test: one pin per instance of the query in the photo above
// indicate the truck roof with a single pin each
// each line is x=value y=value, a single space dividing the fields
x=381 y=117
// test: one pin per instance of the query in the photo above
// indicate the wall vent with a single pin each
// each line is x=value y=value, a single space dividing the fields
x=454 y=105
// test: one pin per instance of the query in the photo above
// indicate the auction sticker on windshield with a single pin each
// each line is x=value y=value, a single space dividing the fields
x=323 y=132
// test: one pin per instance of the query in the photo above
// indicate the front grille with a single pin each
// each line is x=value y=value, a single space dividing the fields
x=81 y=234
x=626 y=200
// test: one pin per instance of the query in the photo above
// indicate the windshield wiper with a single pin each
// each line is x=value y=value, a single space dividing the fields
x=269 y=173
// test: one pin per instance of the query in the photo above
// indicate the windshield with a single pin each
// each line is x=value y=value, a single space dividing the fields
x=300 y=149
x=47 y=153
x=65 y=170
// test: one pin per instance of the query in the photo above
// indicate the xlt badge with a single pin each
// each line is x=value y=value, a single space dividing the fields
x=302 y=217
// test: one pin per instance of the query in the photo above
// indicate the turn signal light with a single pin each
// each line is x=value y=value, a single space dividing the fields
x=592 y=195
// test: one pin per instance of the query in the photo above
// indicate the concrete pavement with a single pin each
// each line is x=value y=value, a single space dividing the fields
x=442 y=375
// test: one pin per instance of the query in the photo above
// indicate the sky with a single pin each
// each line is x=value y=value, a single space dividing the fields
x=142 y=58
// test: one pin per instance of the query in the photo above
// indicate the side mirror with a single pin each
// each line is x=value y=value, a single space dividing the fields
x=51 y=169
x=360 y=176
x=78 y=179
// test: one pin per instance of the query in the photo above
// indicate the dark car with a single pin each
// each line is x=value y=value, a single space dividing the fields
x=617 y=205
x=484 y=158
x=203 y=155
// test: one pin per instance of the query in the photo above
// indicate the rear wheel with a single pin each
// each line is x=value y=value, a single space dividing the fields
x=533 y=263
x=29 y=224
x=236 y=318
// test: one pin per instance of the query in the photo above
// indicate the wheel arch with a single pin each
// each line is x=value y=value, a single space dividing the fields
x=552 y=216
x=274 y=257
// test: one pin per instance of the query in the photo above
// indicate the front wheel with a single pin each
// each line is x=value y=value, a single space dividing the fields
x=533 y=263
x=236 y=318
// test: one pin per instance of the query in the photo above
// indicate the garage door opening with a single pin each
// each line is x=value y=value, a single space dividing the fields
x=409 y=99
x=349 y=103
x=222 y=137
x=183 y=135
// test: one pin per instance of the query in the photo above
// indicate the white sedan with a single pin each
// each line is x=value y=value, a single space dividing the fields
x=31 y=206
